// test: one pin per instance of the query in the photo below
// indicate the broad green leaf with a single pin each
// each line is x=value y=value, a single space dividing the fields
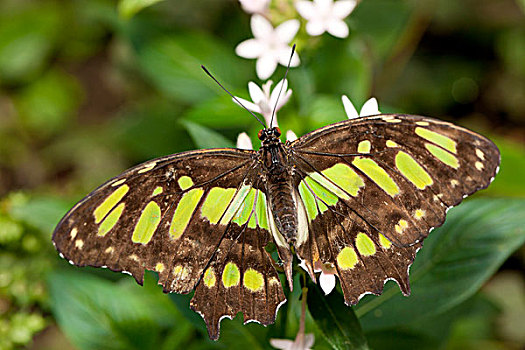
x=27 y=38
x=455 y=261
x=204 y=137
x=40 y=212
x=46 y=105
x=326 y=110
x=128 y=8
x=509 y=181
x=174 y=65
x=220 y=111
x=337 y=322
x=97 y=314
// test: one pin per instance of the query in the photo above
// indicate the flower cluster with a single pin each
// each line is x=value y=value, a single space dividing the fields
x=270 y=45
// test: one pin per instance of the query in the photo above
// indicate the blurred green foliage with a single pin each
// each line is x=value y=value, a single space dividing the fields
x=89 y=88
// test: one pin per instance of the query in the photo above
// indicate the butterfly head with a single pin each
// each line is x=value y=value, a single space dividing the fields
x=269 y=135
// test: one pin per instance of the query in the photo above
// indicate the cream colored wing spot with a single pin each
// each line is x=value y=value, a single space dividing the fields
x=253 y=280
x=273 y=281
x=438 y=139
x=442 y=155
x=73 y=233
x=117 y=183
x=109 y=250
x=347 y=258
x=133 y=257
x=148 y=222
x=480 y=154
x=365 y=245
x=185 y=182
x=231 y=275
x=419 y=214
x=180 y=272
x=364 y=147
x=393 y=120
x=111 y=220
x=454 y=182
x=184 y=212
x=412 y=171
x=159 y=267
x=377 y=174
x=79 y=244
x=109 y=203
x=479 y=166
x=209 y=278
x=384 y=242
x=422 y=123
x=391 y=144
x=401 y=226
x=147 y=167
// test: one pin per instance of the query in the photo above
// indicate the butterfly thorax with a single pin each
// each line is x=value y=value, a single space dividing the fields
x=279 y=184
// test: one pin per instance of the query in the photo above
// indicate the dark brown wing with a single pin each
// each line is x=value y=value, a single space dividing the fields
x=197 y=218
x=374 y=187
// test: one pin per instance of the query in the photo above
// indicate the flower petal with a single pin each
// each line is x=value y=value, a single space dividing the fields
x=254 y=6
x=276 y=89
x=265 y=66
x=284 y=57
x=323 y=7
x=306 y=9
x=327 y=282
x=249 y=105
x=315 y=27
x=337 y=28
x=291 y=136
x=251 y=48
x=309 y=340
x=370 y=108
x=286 y=31
x=261 y=27
x=343 y=8
x=281 y=343
x=244 y=141
x=283 y=100
x=350 y=110
x=256 y=93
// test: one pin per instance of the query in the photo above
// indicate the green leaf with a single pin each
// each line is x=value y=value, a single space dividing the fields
x=128 y=8
x=27 y=38
x=204 y=137
x=338 y=322
x=174 y=65
x=97 y=314
x=40 y=212
x=455 y=261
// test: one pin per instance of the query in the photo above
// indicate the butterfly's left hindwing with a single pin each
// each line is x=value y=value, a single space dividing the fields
x=374 y=187
x=197 y=218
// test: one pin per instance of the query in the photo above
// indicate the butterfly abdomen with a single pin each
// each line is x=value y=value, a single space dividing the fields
x=280 y=189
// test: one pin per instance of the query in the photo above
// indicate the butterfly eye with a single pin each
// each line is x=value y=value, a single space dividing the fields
x=277 y=132
x=261 y=135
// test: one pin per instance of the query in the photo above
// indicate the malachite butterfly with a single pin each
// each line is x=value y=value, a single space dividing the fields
x=358 y=196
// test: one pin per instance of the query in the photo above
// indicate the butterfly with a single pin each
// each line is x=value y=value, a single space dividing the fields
x=358 y=196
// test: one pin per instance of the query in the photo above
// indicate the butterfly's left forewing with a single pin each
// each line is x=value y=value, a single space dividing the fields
x=197 y=218
x=374 y=187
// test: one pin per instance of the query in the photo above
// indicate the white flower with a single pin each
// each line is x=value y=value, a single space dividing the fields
x=369 y=108
x=291 y=136
x=327 y=276
x=244 y=141
x=302 y=342
x=270 y=45
x=264 y=99
x=255 y=6
x=326 y=16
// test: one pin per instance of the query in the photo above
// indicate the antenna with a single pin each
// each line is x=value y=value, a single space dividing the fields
x=281 y=89
x=235 y=98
